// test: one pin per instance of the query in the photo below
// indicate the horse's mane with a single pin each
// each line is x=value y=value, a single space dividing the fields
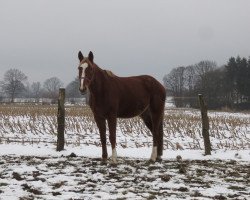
x=109 y=73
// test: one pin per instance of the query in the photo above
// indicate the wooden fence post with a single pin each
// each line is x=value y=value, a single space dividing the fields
x=60 y=120
x=205 y=125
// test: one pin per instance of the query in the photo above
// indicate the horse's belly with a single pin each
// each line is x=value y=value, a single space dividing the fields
x=133 y=100
x=128 y=115
x=132 y=110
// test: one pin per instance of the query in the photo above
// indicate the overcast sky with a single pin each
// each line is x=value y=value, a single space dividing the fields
x=129 y=37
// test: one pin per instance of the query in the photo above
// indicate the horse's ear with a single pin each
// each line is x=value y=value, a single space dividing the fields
x=80 y=56
x=91 y=57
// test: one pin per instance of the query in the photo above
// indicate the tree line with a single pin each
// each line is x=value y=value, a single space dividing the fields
x=224 y=86
x=15 y=85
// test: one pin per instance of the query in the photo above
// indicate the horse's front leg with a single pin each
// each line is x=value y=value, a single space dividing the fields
x=101 y=124
x=112 y=137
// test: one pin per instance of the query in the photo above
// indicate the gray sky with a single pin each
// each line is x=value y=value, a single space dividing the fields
x=129 y=37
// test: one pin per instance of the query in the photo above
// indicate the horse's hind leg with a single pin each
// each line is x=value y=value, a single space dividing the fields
x=155 y=133
x=148 y=120
x=160 y=141
x=157 y=111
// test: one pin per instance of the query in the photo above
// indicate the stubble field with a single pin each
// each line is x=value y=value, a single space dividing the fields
x=78 y=174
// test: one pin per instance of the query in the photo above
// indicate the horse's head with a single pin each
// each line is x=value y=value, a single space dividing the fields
x=86 y=71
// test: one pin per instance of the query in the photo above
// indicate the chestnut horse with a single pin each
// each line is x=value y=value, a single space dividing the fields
x=113 y=97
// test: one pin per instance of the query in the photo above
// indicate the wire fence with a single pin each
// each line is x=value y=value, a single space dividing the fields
x=40 y=101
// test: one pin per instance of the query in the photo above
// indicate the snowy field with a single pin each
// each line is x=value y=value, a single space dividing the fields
x=30 y=168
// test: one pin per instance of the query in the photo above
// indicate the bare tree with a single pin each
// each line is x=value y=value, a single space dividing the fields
x=175 y=81
x=1 y=94
x=51 y=87
x=202 y=69
x=13 y=83
x=72 y=89
x=36 y=90
x=190 y=78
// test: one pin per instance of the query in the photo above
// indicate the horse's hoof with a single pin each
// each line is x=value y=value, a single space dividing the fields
x=113 y=164
x=150 y=161
x=104 y=161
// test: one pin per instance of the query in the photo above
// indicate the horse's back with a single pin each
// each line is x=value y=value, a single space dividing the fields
x=145 y=82
x=137 y=93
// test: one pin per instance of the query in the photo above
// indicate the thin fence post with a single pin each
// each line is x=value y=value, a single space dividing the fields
x=205 y=125
x=60 y=120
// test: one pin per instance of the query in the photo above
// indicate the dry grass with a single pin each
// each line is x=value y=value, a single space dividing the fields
x=182 y=128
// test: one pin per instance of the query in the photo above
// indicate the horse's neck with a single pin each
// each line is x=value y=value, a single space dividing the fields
x=97 y=85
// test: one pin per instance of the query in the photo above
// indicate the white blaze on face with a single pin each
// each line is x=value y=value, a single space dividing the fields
x=83 y=66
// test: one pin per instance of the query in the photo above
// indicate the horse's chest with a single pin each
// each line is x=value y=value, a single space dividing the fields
x=101 y=109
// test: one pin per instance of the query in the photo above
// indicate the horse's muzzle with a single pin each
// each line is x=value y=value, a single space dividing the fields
x=83 y=92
